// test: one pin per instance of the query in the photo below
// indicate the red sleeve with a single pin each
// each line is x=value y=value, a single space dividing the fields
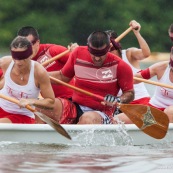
x=125 y=76
x=57 y=49
x=145 y=73
x=1 y=72
x=68 y=69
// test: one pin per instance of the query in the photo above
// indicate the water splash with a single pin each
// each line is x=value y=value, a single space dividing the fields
x=122 y=132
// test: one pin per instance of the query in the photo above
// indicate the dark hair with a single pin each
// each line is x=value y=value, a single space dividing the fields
x=98 y=39
x=117 y=46
x=112 y=33
x=28 y=30
x=171 y=28
x=20 y=42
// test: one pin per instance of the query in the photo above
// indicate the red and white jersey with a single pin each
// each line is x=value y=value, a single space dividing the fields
x=163 y=97
x=48 y=51
x=114 y=75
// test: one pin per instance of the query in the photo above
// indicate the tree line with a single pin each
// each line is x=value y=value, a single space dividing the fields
x=66 y=21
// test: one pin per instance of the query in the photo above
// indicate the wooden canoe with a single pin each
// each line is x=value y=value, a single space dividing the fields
x=81 y=134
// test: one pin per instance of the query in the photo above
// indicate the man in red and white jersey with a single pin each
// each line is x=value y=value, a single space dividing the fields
x=97 y=71
x=44 y=52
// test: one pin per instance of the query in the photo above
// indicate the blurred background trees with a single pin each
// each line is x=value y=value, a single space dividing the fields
x=65 y=21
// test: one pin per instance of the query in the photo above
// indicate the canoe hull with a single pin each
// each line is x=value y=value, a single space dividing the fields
x=81 y=135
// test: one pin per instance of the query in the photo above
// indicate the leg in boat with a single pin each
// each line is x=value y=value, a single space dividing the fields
x=54 y=113
x=90 y=117
x=122 y=117
x=169 y=112
x=5 y=120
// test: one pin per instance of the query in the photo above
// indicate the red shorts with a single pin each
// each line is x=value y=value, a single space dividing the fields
x=162 y=109
x=143 y=101
x=69 y=112
x=16 y=118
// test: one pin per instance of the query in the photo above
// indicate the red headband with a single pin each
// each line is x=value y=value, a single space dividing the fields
x=116 y=45
x=22 y=54
x=171 y=38
x=97 y=52
x=171 y=56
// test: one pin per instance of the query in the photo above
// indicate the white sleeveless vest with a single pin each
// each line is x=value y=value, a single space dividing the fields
x=163 y=97
x=12 y=89
x=140 y=90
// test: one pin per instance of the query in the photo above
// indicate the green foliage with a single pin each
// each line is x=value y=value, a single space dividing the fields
x=65 y=21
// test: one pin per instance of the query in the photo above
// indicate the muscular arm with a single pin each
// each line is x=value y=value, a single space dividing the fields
x=144 y=50
x=125 y=79
x=4 y=63
x=156 y=69
x=58 y=75
x=127 y=96
x=66 y=73
x=43 y=81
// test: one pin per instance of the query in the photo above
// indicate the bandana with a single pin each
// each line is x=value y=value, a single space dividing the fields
x=171 y=58
x=171 y=38
x=97 y=52
x=22 y=54
x=116 y=45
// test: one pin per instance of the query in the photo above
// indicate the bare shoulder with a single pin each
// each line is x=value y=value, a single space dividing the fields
x=130 y=51
x=158 y=68
x=5 y=61
x=39 y=69
x=160 y=65
x=136 y=54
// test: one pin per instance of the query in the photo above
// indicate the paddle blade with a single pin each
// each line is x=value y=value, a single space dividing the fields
x=53 y=124
x=150 y=120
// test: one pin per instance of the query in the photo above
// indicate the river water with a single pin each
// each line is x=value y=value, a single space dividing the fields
x=42 y=158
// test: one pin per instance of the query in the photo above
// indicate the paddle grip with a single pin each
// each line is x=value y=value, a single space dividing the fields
x=123 y=34
x=11 y=99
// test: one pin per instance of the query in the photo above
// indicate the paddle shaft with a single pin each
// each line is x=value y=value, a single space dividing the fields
x=123 y=34
x=76 y=88
x=45 y=118
x=153 y=82
x=55 y=57
x=11 y=99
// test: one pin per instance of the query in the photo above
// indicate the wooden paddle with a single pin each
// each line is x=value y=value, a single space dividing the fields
x=55 y=57
x=150 y=120
x=153 y=82
x=123 y=34
x=45 y=118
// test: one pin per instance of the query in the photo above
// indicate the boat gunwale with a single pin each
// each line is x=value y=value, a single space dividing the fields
x=73 y=127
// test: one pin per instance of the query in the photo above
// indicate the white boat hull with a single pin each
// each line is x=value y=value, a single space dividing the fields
x=81 y=135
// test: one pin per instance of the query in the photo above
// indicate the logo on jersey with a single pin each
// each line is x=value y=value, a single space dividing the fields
x=45 y=58
x=104 y=74
x=107 y=74
x=17 y=94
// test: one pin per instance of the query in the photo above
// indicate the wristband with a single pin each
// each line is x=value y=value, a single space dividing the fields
x=118 y=99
